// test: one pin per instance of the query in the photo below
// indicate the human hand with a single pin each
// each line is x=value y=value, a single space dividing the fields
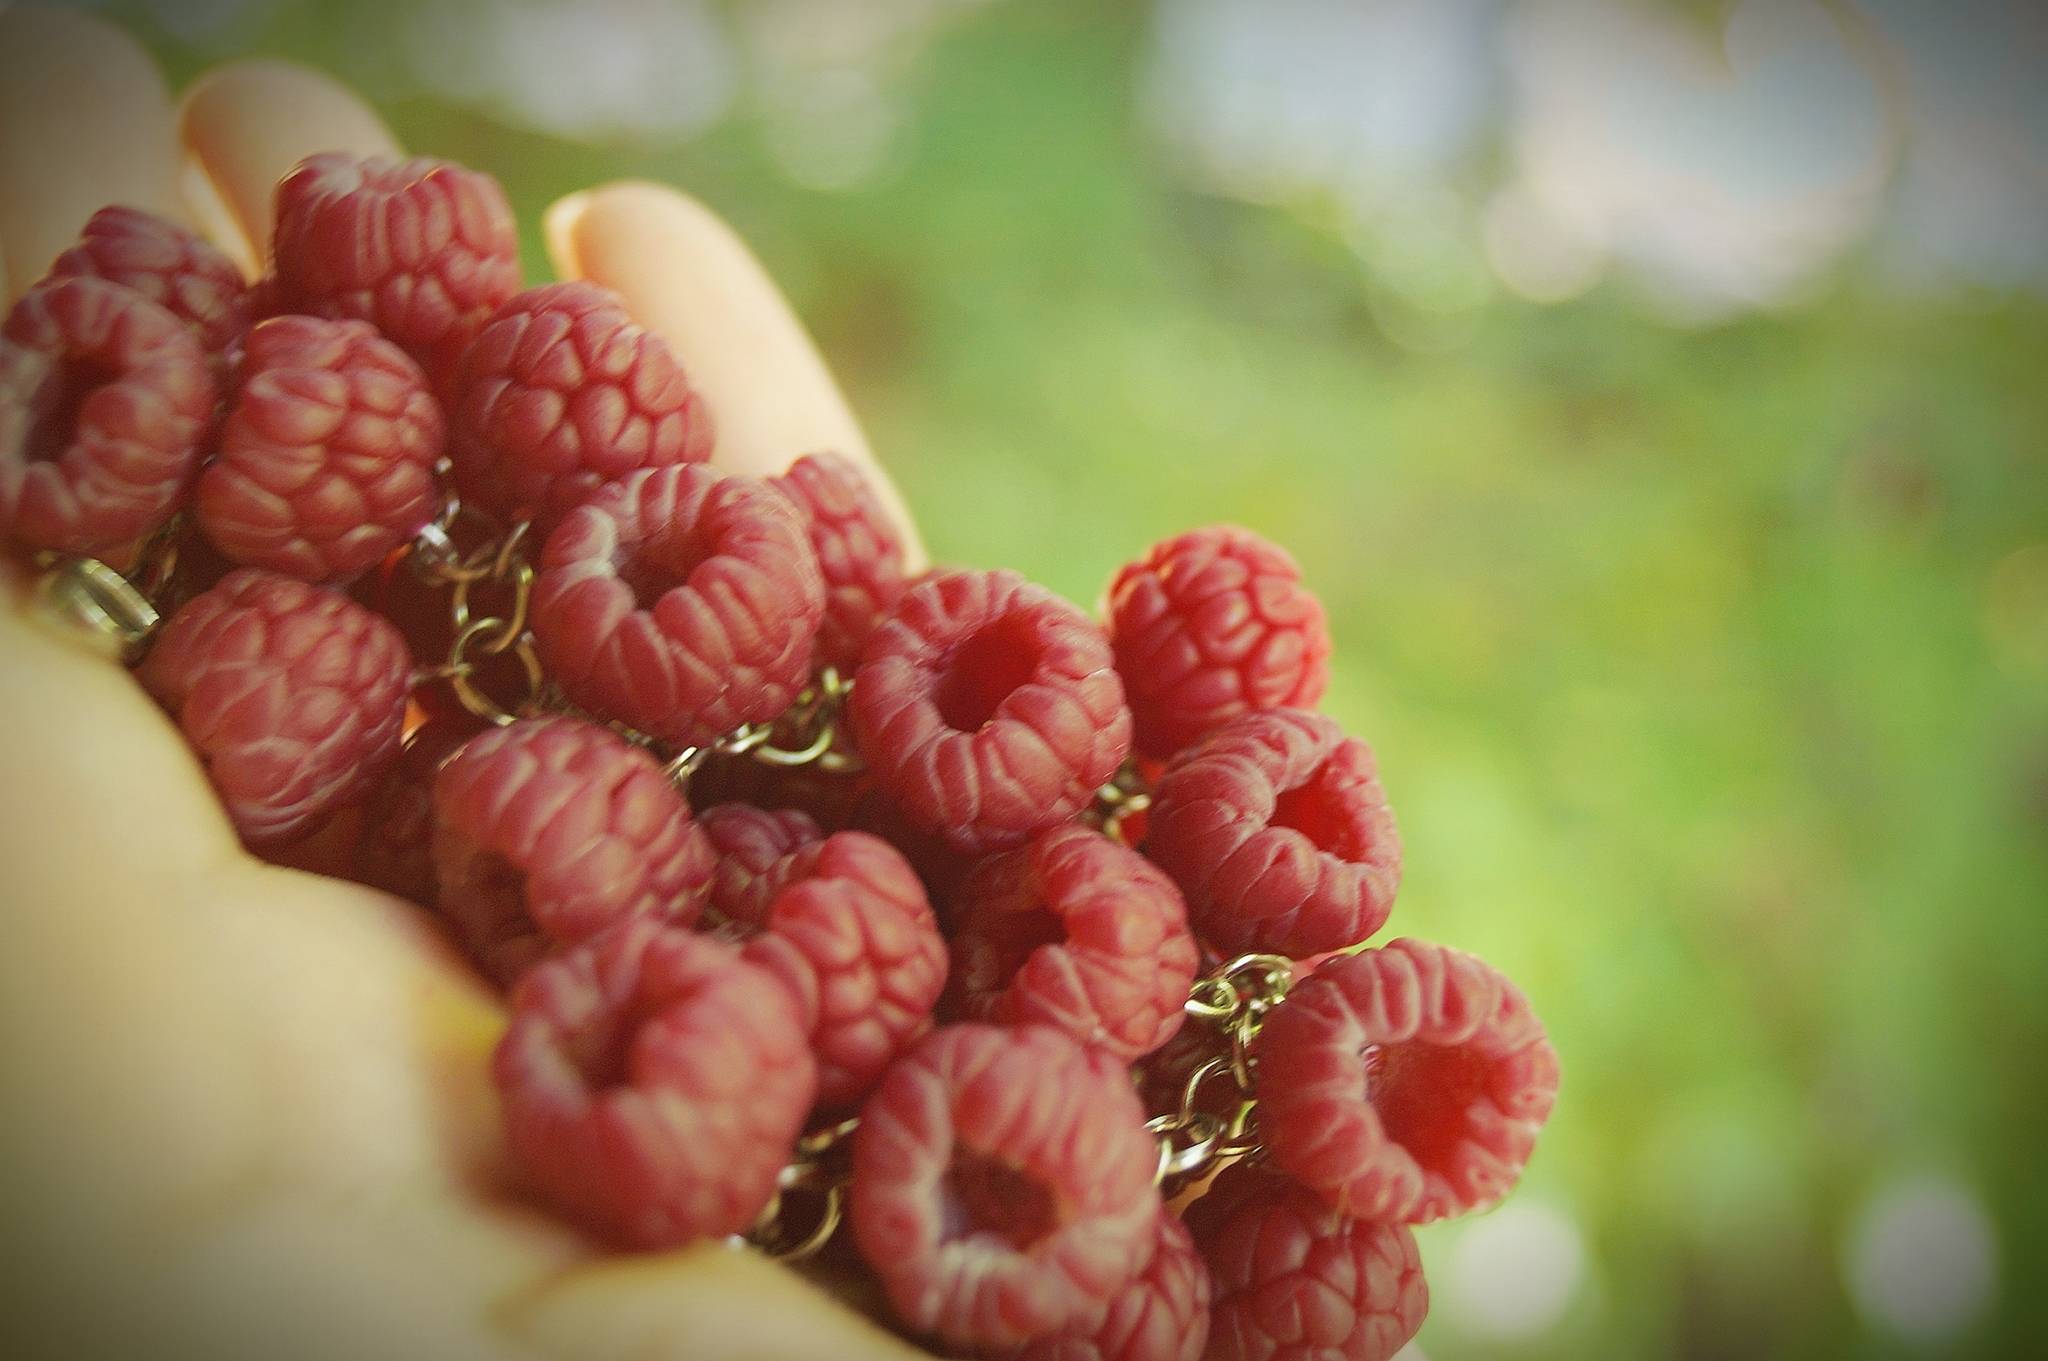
x=250 y=1106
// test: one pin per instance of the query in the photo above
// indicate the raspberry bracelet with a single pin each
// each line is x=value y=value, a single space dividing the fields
x=820 y=895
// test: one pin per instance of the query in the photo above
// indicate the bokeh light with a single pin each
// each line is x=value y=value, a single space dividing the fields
x=585 y=69
x=1922 y=1259
x=1513 y=1273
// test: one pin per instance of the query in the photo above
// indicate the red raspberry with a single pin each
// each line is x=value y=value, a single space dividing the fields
x=1296 y=1279
x=395 y=849
x=1209 y=625
x=1002 y=1184
x=562 y=393
x=172 y=267
x=1406 y=1082
x=680 y=602
x=755 y=851
x=988 y=708
x=654 y=1083
x=858 y=552
x=548 y=830
x=1161 y=1316
x=1277 y=830
x=852 y=936
x=105 y=398
x=327 y=461
x=293 y=697
x=424 y=250
x=1078 y=932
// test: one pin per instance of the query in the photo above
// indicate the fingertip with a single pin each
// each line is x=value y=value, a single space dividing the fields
x=685 y=273
x=244 y=125
x=85 y=121
x=558 y=233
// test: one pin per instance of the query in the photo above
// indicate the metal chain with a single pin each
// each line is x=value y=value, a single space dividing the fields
x=116 y=613
x=92 y=601
x=1234 y=1001
x=816 y=1179
x=807 y=733
x=1125 y=795
x=438 y=561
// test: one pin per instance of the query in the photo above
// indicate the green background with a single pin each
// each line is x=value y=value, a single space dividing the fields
x=1708 y=668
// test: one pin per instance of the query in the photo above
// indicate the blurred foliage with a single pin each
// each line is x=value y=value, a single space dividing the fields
x=1708 y=668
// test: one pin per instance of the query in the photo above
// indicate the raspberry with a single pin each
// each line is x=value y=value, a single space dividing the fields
x=1002 y=1184
x=851 y=935
x=1078 y=932
x=1294 y=1278
x=680 y=602
x=293 y=697
x=755 y=851
x=548 y=830
x=326 y=461
x=1406 y=1082
x=105 y=398
x=1277 y=830
x=562 y=393
x=424 y=250
x=172 y=267
x=1161 y=1316
x=1211 y=624
x=858 y=551
x=988 y=708
x=654 y=1083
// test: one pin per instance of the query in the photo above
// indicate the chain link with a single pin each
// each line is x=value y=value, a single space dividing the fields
x=818 y=1177
x=437 y=560
x=91 y=600
x=1234 y=1001
x=808 y=733
x=1125 y=796
x=810 y=729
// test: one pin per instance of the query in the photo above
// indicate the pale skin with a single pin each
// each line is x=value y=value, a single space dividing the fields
x=249 y=1110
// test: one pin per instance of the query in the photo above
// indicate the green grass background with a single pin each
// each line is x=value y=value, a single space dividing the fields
x=1707 y=708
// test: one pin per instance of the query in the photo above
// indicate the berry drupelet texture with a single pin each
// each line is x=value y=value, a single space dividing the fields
x=105 y=401
x=988 y=709
x=1211 y=624
x=680 y=602
x=326 y=459
x=548 y=830
x=293 y=696
x=560 y=394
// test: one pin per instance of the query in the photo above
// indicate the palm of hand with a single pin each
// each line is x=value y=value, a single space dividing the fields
x=252 y=1113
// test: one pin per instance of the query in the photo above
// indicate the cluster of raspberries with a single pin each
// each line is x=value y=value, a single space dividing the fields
x=940 y=943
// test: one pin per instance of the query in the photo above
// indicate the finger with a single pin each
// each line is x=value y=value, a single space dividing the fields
x=684 y=273
x=707 y=1303
x=244 y=125
x=85 y=121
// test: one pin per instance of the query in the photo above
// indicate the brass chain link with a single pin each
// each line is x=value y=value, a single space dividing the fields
x=116 y=613
x=1125 y=795
x=1234 y=1001
x=92 y=602
x=807 y=733
x=816 y=1179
